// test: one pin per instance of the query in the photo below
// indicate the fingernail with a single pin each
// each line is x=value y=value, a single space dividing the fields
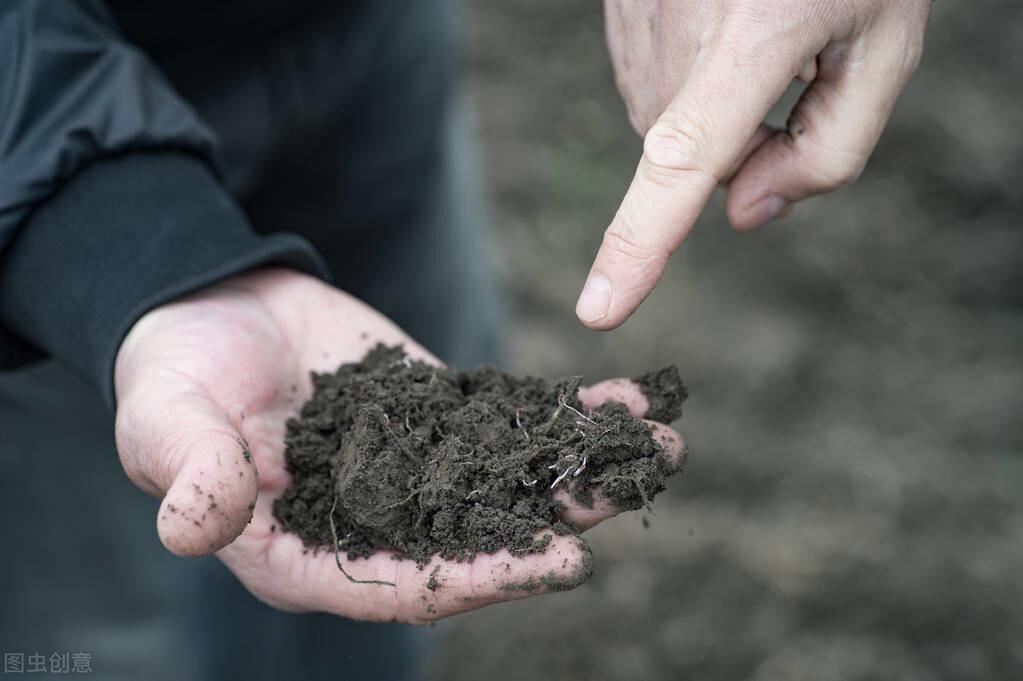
x=595 y=299
x=769 y=208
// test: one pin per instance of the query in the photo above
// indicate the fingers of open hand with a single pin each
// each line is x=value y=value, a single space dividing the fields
x=586 y=515
x=178 y=445
x=625 y=392
x=289 y=578
x=621 y=390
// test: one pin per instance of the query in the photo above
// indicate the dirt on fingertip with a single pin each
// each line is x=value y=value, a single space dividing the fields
x=425 y=460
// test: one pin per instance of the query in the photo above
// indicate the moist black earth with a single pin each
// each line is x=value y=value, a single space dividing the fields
x=425 y=460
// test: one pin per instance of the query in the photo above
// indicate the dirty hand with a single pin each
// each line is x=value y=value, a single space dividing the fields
x=698 y=77
x=204 y=386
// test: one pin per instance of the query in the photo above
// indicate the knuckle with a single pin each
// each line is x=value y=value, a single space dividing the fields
x=675 y=142
x=756 y=35
x=829 y=167
x=623 y=241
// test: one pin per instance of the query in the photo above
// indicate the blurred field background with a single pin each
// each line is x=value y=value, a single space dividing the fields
x=852 y=507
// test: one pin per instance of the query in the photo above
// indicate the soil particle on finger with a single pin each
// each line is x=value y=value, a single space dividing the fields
x=425 y=460
x=559 y=581
x=433 y=584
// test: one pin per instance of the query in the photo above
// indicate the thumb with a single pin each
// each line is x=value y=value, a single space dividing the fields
x=179 y=445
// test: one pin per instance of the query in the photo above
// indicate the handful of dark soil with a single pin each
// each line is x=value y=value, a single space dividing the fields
x=424 y=460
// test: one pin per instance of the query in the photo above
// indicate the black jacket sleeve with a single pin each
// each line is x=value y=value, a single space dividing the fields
x=109 y=199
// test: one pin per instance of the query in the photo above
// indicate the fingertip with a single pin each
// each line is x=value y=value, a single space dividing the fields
x=182 y=533
x=601 y=310
x=621 y=390
x=566 y=564
x=761 y=190
x=594 y=302
x=673 y=444
x=601 y=324
x=736 y=210
x=600 y=508
x=205 y=510
x=627 y=267
x=758 y=212
x=444 y=588
x=585 y=517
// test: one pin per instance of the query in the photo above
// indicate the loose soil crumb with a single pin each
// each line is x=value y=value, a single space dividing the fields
x=424 y=460
x=665 y=391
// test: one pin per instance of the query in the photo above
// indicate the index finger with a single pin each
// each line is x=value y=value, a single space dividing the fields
x=685 y=154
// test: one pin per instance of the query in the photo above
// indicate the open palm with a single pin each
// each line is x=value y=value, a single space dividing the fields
x=204 y=387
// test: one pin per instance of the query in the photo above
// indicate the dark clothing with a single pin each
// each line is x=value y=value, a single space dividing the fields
x=336 y=121
x=107 y=190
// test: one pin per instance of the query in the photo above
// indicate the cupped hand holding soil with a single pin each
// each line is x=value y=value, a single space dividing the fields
x=205 y=386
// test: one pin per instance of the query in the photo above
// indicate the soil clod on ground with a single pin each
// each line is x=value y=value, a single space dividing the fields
x=425 y=460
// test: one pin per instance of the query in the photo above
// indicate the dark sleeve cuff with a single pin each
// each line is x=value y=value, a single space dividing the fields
x=123 y=236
